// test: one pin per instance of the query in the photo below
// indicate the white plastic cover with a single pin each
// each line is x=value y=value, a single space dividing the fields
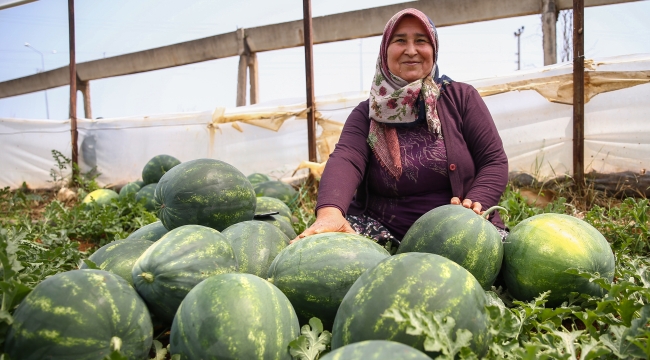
x=537 y=133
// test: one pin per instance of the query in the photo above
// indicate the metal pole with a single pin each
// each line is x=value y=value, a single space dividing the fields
x=73 y=90
x=309 y=73
x=47 y=106
x=578 y=93
x=518 y=36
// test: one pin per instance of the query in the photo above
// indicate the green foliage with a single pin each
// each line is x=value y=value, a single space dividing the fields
x=624 y=225
x=302 y=208
x=517 y=209
x=312 y=342
x=84 y=181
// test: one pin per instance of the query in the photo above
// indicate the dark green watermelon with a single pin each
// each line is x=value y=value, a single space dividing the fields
x=130 y=188
x=267 y=204
x=74 y=315
x=119 y=256
x=540 y=249
x=256 y=244
x=205 y=192
x=276 y=189
x=281 y=223
x=376 y=350
x=147 y=195
x=458 y=234
x=316 y=272
x=234 y=316
x=173 y=265
x=418 y=281
x=157 y=167
x=151 y=232
x=256 y=178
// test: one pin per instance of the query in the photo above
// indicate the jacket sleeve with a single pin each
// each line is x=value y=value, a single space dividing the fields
x=486 y=149
x=346 y=165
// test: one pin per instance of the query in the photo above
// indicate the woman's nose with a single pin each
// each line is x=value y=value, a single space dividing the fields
x=411 y=49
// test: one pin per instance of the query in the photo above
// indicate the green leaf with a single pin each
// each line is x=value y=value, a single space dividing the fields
x=91 y=264
x=312 y=342
x=159 y=351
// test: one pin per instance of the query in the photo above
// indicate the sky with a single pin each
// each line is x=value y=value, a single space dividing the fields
x=109 y=28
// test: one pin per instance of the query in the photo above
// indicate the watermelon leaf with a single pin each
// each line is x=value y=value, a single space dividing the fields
x=159 y=350
x=91 y=264
x=312 y=342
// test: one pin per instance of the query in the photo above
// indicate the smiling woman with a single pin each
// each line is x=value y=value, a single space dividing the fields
x=419 y=142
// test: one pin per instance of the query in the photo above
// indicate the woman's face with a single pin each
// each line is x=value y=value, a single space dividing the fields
x=410 y=52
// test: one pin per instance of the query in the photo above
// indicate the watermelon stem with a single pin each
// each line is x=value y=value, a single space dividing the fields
x=487 y=212
x=148 y=277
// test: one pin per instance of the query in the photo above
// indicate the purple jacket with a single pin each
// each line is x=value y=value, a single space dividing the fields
x=477 y=163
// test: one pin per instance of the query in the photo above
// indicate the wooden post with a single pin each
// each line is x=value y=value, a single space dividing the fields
x=254 y=78
x=309 y=73
x=241 y=80
x=73 y=89
x=578 y=94
x=549 y=37
x=84 y=86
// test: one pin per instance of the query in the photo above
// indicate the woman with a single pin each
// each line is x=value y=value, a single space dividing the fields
x=420 y=141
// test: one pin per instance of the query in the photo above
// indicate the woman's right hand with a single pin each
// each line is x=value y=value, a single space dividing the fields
x=328 y=219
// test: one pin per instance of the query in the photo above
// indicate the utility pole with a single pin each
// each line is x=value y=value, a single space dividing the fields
x=309 y=73
x=579 y=93
x=518 y=36
x=47 y=106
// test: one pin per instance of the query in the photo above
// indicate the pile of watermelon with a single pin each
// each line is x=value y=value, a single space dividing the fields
x=219 y=272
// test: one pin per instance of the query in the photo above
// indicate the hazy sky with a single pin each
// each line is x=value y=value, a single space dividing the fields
x=108 y=28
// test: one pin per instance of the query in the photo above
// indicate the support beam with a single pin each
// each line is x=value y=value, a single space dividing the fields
x=84 y=86
x=330 y=28
x=578 y=94
x=309 y=75
x=73 y=90
x=549 y=31
x=253 y=73
x=241 y=80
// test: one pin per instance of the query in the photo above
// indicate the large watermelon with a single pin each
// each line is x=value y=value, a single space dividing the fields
x=130 y=188
x=119 y=256
x=205 y=192
x=541 y=248
x=266 y=204
x=458 y=234
x=256 y=244
x=376 y=350
x=146 y=194
x=316 y=272
x=276 y=189
x=173 y=265
x=419 y=281
x=74 y=315
x=234 y=316
x=151 y=232
x=100 y=197
x=157 y=167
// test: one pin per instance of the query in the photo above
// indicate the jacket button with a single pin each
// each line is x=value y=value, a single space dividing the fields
x=452 y=167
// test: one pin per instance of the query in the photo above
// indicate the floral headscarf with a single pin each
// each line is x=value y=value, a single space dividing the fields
x=395 y=101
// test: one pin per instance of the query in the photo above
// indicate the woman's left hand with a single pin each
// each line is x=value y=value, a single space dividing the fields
x=475 y=206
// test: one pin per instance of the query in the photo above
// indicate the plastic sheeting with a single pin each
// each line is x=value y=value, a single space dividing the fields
x=271 y=138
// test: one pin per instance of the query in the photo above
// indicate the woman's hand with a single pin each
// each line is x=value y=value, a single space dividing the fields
x=328 y=219
x=475 y=206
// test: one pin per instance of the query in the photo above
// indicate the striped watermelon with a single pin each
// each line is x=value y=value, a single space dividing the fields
x=541 y=248
x=266 y=204
x=276 y=189
x=376 y=350
x=100 y=197
x=173 y=265
x=234 y=316
x=256 y=244
x=205 y=192
x=316 y=272
x=157 y=167
x=151 y=232
x=419 y=281
x=130 y=188
x=146 y=195
x=281 y=223
x=75 y=314
x=256 y=178
x=119 y=256
x=458 y=234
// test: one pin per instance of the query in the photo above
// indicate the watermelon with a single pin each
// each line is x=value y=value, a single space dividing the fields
x=276 y=189
x=266 y=204
x=139 y=183
x=157 y=167
x=173 y=265
x=316 y=272
x=376 y=350
x=75 y=314
x=130 y=188
x=234 y=316
x=100 y=197
x=205 y=192
x=541 y=248
x=119 y=256
x=146 y=195
x=151 y=232
x=256 y=178
x=256 y=244
x=419 y=281
x=281 y=223
x=460 y=235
